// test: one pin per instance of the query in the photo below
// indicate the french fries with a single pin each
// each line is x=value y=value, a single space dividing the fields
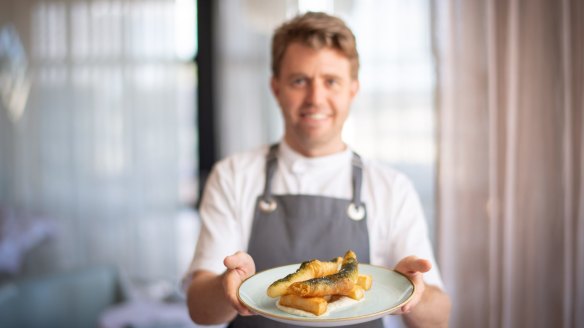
x=356 y=293
x=365 y=281
x=316 y=284
x=314 y=305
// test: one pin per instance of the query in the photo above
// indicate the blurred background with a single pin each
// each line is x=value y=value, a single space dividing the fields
x=112 y=113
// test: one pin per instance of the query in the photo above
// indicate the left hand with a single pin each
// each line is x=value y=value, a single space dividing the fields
x=240 y=266
x=413 y=267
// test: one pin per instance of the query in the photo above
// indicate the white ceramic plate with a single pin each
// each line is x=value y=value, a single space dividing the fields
x=390 y=291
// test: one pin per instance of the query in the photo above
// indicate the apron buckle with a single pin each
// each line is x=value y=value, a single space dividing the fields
x=356 y=213
x=268 y=206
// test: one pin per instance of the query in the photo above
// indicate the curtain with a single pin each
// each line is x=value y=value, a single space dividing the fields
x=511 y=198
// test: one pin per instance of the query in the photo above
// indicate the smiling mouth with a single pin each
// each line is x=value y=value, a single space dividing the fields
x=315 y=116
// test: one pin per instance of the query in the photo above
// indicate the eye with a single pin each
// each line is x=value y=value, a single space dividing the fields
x=299 y=82
x=331 y=82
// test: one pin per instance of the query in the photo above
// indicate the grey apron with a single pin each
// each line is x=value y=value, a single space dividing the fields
x=295 y=228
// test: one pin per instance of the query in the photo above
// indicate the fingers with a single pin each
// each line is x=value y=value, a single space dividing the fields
x=420 y=287
x=240 y=266
x=412 y=264
x=231 y=282
x=414 y=268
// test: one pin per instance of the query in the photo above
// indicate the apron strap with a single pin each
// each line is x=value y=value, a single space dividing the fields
x=357 y=165
x=267 y=204
x=356 y=210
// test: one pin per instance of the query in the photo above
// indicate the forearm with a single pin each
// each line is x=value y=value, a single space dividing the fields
x=206 y=300
x=433 y=310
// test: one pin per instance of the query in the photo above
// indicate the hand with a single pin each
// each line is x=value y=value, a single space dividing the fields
x=240 y=266
x=414 y=268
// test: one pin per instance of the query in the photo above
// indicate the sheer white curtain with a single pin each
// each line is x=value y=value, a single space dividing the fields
x=511 y=175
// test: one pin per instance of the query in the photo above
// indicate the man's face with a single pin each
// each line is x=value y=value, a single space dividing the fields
x=314 y=90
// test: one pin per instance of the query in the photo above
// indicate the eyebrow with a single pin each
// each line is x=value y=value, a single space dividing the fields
x=293 y=76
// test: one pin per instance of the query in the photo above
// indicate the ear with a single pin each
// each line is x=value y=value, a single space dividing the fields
x=275 y=86
x=354 y=88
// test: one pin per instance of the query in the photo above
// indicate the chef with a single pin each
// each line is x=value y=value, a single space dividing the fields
x=309 y=195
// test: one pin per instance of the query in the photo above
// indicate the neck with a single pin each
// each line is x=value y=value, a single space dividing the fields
x=316 y=150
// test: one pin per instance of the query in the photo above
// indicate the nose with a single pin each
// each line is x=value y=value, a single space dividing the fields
x=316 y=93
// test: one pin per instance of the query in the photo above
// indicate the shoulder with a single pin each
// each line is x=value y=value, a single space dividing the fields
x=234 y=175
x=383 y=173
x=242 y=162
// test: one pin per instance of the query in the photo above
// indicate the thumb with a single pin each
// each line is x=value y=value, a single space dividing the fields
x=420 y=265
x=413 y=264
x=240 y=261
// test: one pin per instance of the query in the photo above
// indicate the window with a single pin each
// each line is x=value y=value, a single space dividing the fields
x=393 y=116
x=106 y=145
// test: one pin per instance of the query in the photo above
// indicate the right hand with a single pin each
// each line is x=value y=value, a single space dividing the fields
x=240 y=266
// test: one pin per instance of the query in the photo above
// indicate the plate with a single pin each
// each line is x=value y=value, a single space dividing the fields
x=390 y=291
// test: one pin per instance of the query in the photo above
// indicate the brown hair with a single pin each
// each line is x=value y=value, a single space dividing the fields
x=315 y=30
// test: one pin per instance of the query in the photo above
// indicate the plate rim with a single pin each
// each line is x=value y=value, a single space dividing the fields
x=271 y=315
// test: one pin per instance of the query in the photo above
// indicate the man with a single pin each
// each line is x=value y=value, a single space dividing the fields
x=309 y=196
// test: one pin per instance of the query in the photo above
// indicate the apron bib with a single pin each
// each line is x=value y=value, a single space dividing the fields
x=295 y=228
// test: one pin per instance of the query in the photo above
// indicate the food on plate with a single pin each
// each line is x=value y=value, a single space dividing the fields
x=314 y=305
x=356 y=293
x=332 y=284
x=308 y=270
x=365 y=281
x=318 y=288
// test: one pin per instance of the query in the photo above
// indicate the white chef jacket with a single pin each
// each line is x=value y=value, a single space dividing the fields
x=395 y=219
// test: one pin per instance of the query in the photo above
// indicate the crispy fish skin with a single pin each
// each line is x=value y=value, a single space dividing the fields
x=338 y=283
x=308 y=270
